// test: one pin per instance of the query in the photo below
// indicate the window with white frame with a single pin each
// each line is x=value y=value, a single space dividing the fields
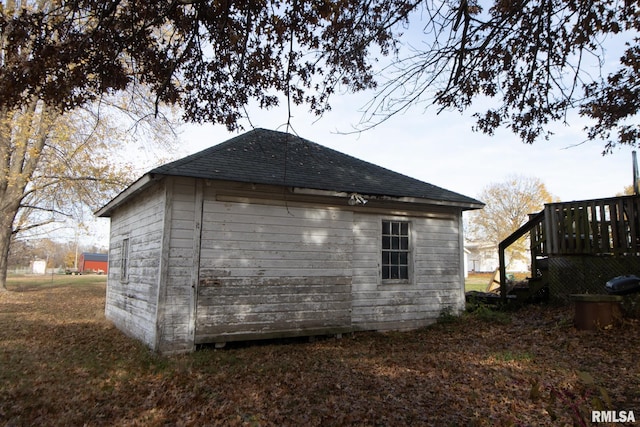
x=395 y=250
x=124 y=260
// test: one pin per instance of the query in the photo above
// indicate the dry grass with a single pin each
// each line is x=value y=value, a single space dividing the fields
x=477 y=282
x=480 y=281
x=62 y=363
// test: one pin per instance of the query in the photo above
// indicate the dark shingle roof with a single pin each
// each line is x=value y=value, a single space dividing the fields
x=263 y=156
x=95 y=257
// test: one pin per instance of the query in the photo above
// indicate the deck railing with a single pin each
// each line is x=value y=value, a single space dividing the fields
x=591 y=227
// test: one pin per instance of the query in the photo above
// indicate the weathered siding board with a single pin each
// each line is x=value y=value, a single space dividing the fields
x=369 y=303
x=270 y=270
x=247 y=240
x=131 y=304
x=178 y=285
x=435 y=274
x=288 y=306
x=238 y=313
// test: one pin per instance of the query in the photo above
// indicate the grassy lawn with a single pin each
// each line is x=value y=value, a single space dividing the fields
x=62 y=363
x=23 y=282
x=477 y=282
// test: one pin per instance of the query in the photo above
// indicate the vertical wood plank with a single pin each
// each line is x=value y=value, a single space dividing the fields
x=595 y=232
x=604 y=229
x=619 y=233
x=577 y=229
x=551 y=229
x=164 y=263
x=195 y=273
x=630 y=225
x=635 y=202
x=586 y=229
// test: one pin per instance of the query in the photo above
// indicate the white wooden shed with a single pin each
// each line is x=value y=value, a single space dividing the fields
x=270 y=235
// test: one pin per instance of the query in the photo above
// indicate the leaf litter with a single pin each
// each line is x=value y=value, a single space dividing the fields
x=63 y=363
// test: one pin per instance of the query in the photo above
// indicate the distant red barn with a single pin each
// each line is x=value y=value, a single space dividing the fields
x=96 y=263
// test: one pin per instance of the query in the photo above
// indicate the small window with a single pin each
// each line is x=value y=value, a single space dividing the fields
x=395 y=250
x=124 y=260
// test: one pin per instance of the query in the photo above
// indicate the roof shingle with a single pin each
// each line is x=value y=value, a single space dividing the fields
x=263 y=156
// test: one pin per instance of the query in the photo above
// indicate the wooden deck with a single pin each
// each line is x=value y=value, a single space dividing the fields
x=599 y=227
x=593 y=227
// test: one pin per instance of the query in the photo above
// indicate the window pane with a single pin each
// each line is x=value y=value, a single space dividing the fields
x=404 y=228
x=395 y=228
x=394 y=272
x=386 y=272
x=395 y=243
x=385 y=227
x=124 y=262
x=403 y=258
x=404 y=273
x=386 y=258
x=404 y=243
x=395 y=256
x=386 y=242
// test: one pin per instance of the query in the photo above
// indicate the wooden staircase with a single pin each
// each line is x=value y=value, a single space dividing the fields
x=536 y=287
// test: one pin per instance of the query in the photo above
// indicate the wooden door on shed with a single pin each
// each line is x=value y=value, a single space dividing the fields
x=269 y=271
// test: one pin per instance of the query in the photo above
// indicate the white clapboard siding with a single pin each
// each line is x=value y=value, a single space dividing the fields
x=209 y=269
x=435 y=278
x=131 y=305
x=175 y=316
x=269 y=270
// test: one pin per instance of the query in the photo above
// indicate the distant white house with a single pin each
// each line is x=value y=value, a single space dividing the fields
x=39 y=266
x=483 y=258
x=466 y=262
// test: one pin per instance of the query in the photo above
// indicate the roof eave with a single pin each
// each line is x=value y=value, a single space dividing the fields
x=413 y=200
x=423 y=201
x=121 y=198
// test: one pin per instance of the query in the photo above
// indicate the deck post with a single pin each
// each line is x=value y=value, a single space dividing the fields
x=503 y=273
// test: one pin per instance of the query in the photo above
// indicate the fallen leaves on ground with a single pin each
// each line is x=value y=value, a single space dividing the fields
x=62 y=363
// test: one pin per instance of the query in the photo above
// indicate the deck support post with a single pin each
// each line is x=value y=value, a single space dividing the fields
x=503 y=273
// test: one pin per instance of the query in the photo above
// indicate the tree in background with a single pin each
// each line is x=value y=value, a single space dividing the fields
x=508 y=205
x=20 y=254
x=57 y=168
x=627 y=191
x=213 y=57
x=59 y=159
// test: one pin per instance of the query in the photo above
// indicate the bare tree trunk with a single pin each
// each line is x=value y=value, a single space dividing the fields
x=6 y=230
x=9 y=211
x=21 y=145
x=6 y=216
